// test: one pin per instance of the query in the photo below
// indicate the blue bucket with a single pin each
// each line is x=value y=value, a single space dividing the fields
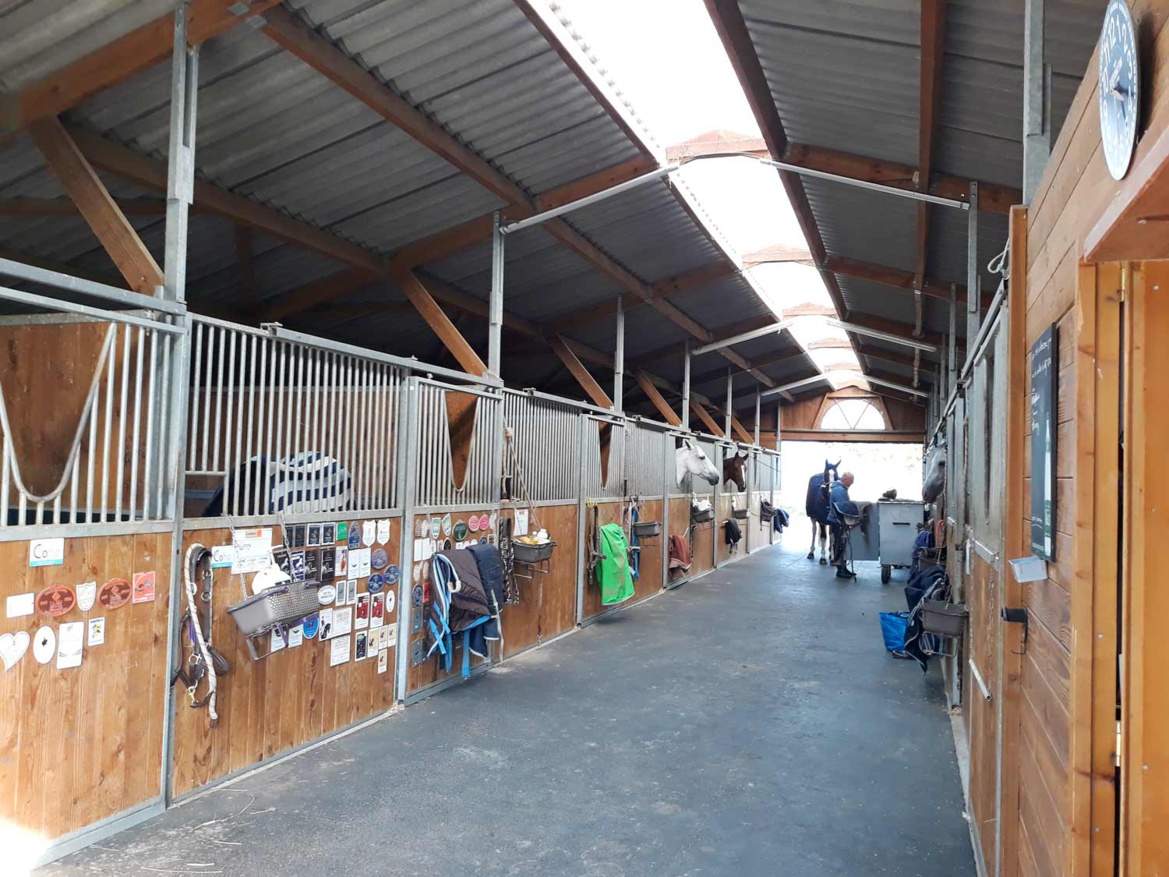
x=893 y=626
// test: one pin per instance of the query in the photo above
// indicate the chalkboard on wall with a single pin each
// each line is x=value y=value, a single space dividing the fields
x=1043 y=429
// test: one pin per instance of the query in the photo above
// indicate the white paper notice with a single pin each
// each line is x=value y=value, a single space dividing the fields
x=383 y=661
x=253 y=550
x=418 y=550
x=368 y=533
x=359 y=563
x=342 y=621
x=69 y=643
x=339 y=650
x=383 y=531
x=86 y=594
x=295 y=636
x=46 y=552
x=390 y=635
x=20 y=604
x=275 y=642
x=97 y=632
x=521 y=522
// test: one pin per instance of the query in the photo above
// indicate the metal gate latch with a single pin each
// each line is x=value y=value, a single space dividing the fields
x=1019 y=616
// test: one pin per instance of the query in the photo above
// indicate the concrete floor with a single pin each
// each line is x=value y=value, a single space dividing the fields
x=748 y=723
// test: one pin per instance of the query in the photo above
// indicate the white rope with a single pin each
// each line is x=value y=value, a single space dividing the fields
x=193 y=609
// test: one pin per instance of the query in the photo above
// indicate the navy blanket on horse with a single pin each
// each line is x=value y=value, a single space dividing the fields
x=816 y=505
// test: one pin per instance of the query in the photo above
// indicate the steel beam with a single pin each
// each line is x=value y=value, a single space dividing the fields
x=686 y=386
x=495 y=306
x=1036 y=100
x=619 y=358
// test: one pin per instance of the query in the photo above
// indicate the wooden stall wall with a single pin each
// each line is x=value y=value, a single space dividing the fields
x=80 y=744
x=430 y=672
x=678 y=525
x=649 y=582
x=724 y=504
x=270 y=706
x=702 y=544
x=547 y=606
x=606 y=512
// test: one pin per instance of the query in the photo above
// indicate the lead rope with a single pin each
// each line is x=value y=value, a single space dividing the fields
x=196 y=552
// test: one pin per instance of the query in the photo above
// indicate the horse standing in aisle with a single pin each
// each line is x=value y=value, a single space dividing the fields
x=816 y=506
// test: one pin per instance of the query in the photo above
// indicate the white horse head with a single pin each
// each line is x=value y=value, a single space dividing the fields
x=691 y=460
x=935 y=474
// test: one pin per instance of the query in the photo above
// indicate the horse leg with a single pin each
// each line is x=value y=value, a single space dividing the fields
x=812 y=550
x=823 y=544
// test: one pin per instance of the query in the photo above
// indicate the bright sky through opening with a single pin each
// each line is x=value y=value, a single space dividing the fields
x=665 y=59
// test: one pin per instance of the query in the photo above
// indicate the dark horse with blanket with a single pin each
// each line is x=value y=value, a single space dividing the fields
x=816 y=507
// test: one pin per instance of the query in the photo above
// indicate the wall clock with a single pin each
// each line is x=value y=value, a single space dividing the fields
x=1119 y=89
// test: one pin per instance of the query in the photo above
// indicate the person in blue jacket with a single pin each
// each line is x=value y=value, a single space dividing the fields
x=837 y=496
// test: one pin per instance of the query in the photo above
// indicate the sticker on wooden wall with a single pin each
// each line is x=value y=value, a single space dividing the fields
x=342 y=563
x=446 y=524
x=44 y=645
x=391 y=602
x=56 y=600
x=393 y=574
x=114 y=594
x=378 y=559
x=342 y=621
x=491 y=521
x=351 y=591
x=325 y=624
x=383 y=531
x=360 y=558
x=460 y=531
x=296 y=536
x=417 y=572
x=376 y=583
x=328 y=564
x=383 y=661
x=343 y=532
x=312 y=565
x=326 y=595
x=377 y=605
x=362 y=611
x=46 y=552
x=143 y=587
x=12 y=648
x=314 y=535
x=310 y=626
x=97 y=632
x=221 y=556
x=473 y=523
x=390 y=634
x=354 y=535
x=86 y=595
x=447 y=545
x=416 y=595
x=19 y=605
x=296 y=560
x=70 y=641
x=339 y=651
x=521 y=522
x=360 y=647
x=295 y=636
x=328 y=534
x=275 y=642
x=368 y=533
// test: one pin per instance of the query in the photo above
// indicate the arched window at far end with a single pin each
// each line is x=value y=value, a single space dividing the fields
x=850 y=414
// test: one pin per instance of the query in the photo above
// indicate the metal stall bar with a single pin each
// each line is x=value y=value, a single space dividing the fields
x=619 y=357
x=686 y=386
x=973 y=280
x=495 y=305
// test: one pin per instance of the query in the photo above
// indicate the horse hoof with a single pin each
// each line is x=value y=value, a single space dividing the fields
x=823 y=561
x=811 y=555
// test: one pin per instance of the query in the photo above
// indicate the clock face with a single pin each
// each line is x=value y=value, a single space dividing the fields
x=1119 y=87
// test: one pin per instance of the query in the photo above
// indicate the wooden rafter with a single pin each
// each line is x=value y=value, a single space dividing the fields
x=587 y=382
x=25 y=207
x=129 y=55
x=704 y=416
x=79 y=180
x=438 y=321
x=656 y=398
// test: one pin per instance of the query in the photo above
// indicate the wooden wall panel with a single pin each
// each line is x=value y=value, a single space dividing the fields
x=702 y=547
x=82 y=744
x=723 y=506
x=269 y=706
x=607 y=512
x=547 y=606
x=430 y=672
x=982 y=716
x=678 y=525
x=649 y=582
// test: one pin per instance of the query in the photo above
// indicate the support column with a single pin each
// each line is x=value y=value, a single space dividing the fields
x=952 y=353
x=758 y=409
x=619 y=358
x=778 y=425
x=180 y=176
x=1036 y=100
x=495 y=306
x=730 y=394
x=973 y=281
x=686 y=386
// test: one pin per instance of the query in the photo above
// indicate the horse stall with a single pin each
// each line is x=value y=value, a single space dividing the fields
x=542 y=482
x=454 y=443
x=731 y=503
x=759 y=482
x=603 y=495
x=87 y=518
x=648 y=466
x=687 y=487
x=293 y=443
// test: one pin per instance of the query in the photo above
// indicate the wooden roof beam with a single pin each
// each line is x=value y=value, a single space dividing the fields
x=656 y=398
x=79 y=180
x=587 y=382
x=437 y=319
x=125 y=57
x=705 y=417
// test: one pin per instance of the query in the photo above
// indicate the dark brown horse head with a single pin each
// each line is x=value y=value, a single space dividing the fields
x=734 y=470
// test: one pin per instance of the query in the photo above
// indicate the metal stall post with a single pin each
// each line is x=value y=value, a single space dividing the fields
x=171 y=432
x=952 y=353
x=778 y=425
x=686 y=386
x=973 y=281
x=667 y=480
x=495 y=306
x=758 y=414
x=730 y=411
x=408 y=418
x=619 y=358
x=581 y=515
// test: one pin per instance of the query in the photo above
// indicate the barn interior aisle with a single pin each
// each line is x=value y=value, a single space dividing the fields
x=643 y=745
